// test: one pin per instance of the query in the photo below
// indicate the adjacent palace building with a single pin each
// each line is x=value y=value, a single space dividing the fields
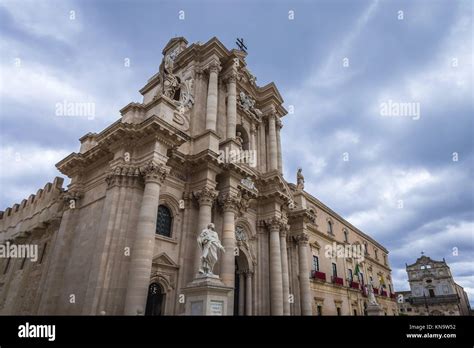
x=433 y=290
x=203 y=146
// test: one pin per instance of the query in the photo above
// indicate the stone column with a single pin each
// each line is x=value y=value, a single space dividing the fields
x=241 y=293
x=211 y=108
x=253 y=146
x=229 y=203
x=231 y=105
x=273 y=146
x=143 y=246
x=248 y=293
x=205 y=198
x=276 y=287
x=262 y=155
x=305 y=292
x=284 y=270
x=279 y=125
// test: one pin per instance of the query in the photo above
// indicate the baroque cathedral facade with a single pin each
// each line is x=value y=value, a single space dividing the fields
x=203 y=146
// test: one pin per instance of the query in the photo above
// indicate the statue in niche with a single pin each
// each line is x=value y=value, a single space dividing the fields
x=210 y=245
x=239 y=139
x=299 y=179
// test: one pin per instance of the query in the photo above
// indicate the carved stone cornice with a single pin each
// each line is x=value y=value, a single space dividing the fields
x=206 y=196
x=154 y=172
x=302 y=239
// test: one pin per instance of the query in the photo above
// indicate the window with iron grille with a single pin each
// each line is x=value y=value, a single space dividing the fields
x=163 y=222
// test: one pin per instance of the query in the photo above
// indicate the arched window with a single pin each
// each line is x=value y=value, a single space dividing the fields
x=155 y=301
x=330 y=227
x=163 y=222
x=346 y=236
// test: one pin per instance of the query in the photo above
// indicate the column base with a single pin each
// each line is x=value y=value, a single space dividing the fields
x=207 y=295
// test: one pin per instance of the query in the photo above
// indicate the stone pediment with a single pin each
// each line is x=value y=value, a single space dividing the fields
x=164 y=260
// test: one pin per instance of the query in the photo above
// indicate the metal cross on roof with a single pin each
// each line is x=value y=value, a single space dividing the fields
x=240 y=43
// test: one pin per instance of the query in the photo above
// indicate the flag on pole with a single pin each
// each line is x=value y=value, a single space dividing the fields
x=357 y=270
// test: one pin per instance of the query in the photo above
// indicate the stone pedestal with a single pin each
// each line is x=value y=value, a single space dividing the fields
x=207 y=295
x=374 y=310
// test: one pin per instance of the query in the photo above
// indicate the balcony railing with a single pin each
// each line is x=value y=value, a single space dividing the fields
x=337 y=280
x=354 y=285
x=383 y=293
x=435 y=300
x=319 y=275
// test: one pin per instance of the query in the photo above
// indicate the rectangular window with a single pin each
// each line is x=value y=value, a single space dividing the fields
x=350 y=274
x=334 y=270
x=355 y=312
x=361 y=278
x=315 y=263
x=320 y=310
x=338 y=311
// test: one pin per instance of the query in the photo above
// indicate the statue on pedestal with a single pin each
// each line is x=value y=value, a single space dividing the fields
x=371 y=295
x=210 y=244
x=299 y=179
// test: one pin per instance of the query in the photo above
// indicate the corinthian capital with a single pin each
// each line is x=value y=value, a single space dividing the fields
x=273 y=224
x=230 y=201
x=214 y=67
x=154 y=172
x=206 y=196
x=302 y=238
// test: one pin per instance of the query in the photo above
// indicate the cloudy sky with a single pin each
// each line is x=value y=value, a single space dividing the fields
x=406 y=179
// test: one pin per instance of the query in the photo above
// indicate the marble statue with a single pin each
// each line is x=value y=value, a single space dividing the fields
x=210 y=245
x=371 y=295
x=239 y=139
x=299 y=179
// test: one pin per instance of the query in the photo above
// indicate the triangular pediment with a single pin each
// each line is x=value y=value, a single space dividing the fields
x=164 y=260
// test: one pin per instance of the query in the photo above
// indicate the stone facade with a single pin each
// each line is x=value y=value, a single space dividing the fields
x=203 y=145
x=433 y=290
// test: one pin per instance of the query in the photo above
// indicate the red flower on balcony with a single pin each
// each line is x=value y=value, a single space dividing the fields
x=354 y=285
x=376 y=291
x=337 y=280
x=319 y=275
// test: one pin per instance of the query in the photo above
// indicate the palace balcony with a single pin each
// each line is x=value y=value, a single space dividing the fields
x=354 y=285
x=319 y=275
x=434 y=300
x=337 y=281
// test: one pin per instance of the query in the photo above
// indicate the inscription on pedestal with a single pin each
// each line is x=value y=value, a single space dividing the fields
x=216 y=308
